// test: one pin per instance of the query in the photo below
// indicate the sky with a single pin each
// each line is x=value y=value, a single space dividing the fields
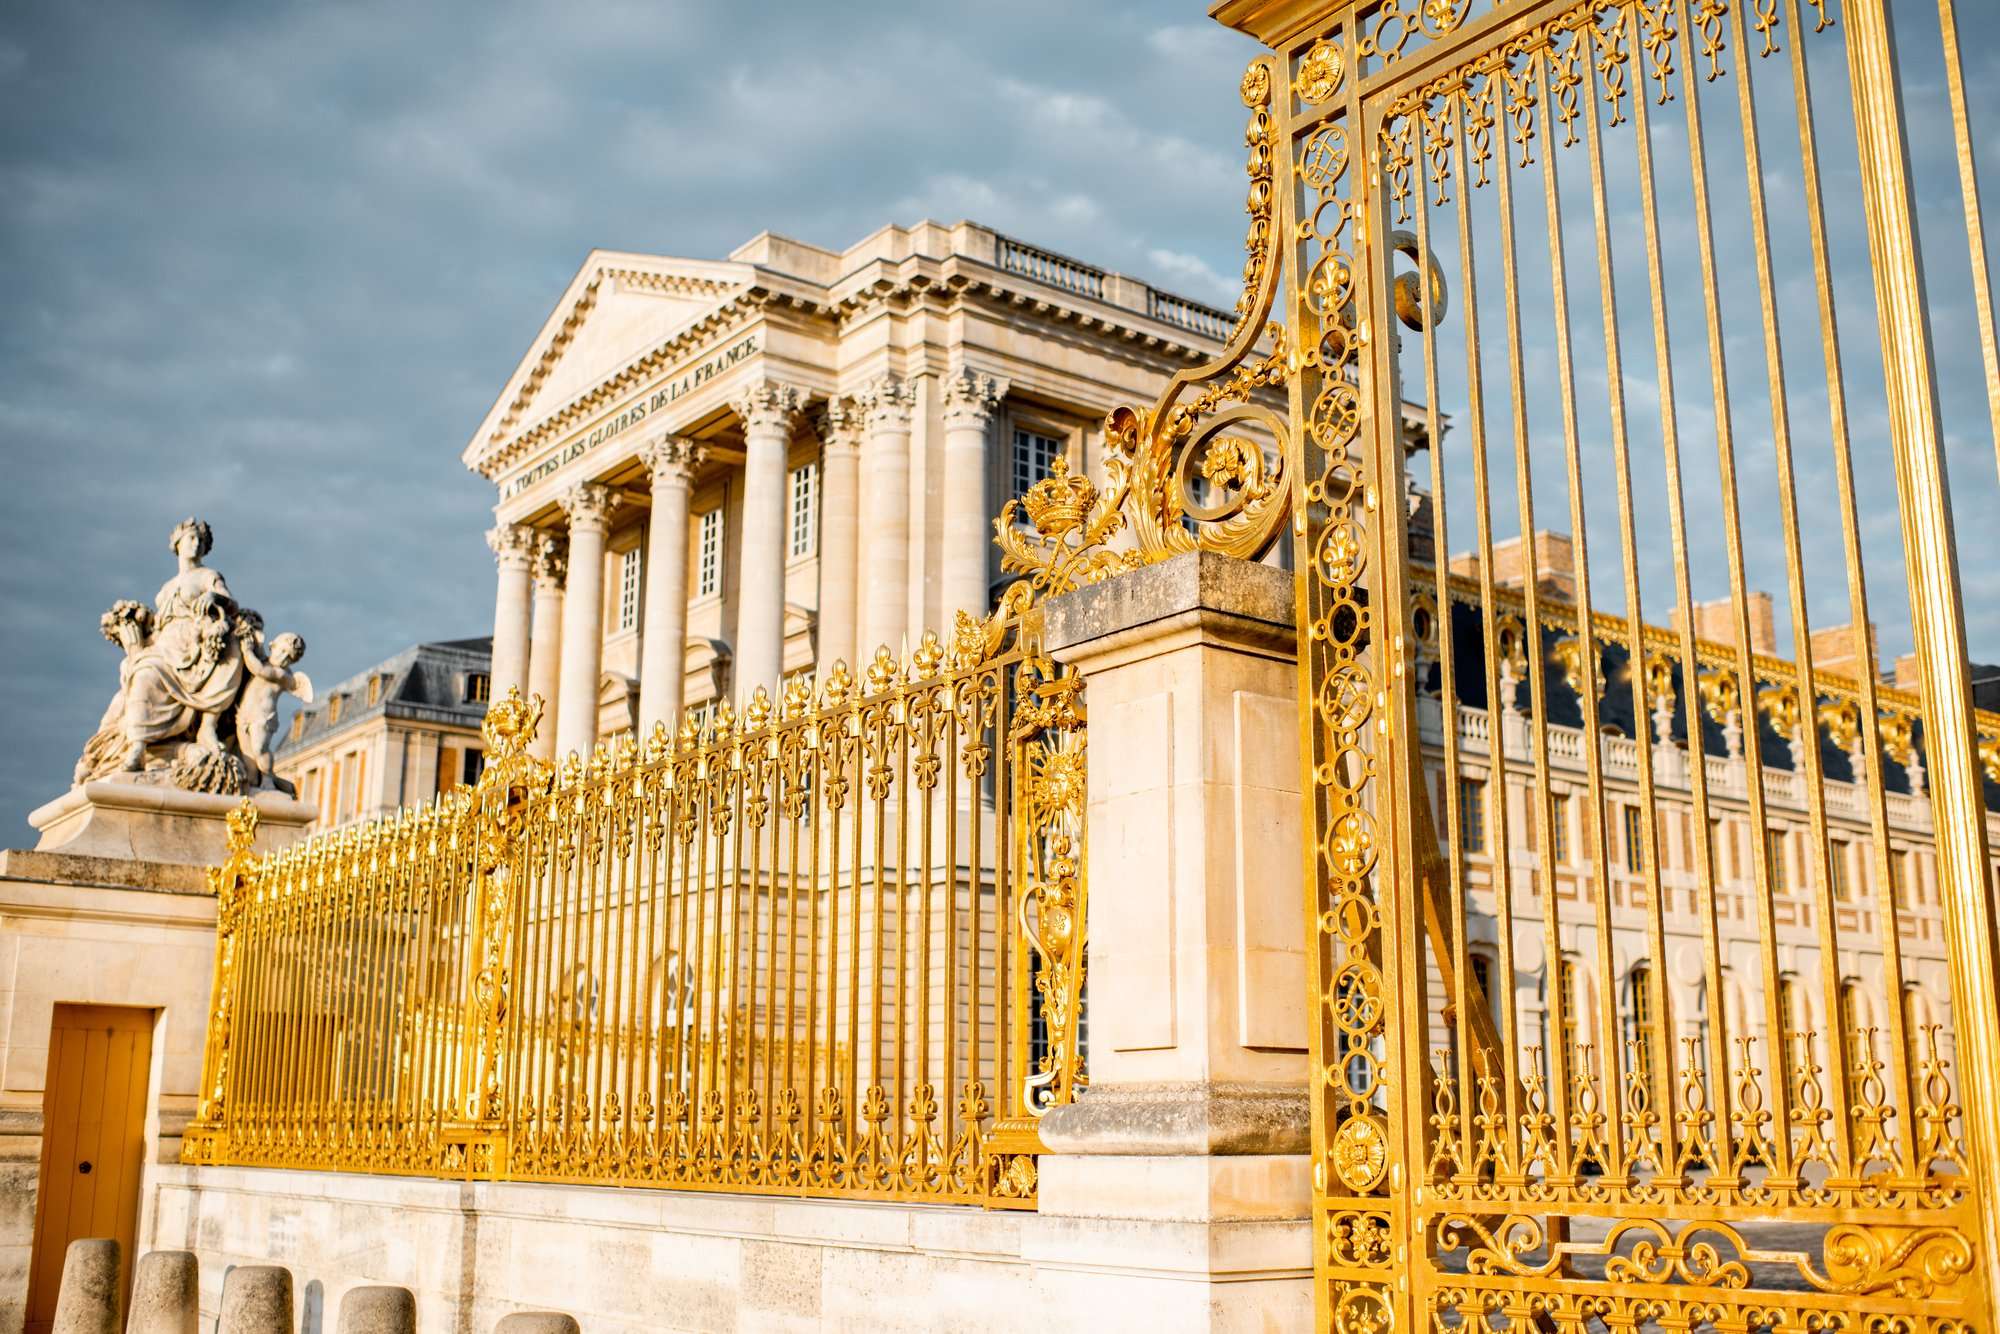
x=270 y=264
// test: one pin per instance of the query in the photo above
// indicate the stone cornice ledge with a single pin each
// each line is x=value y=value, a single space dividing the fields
x=1249 y=604
x=1192 y=1117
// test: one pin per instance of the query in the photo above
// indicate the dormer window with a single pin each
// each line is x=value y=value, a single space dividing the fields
x=333 y=709
x=478 y=687
x=374 y=691
x=298 y=725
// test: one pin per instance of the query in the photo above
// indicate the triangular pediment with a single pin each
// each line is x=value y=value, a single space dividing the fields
x=618 y=307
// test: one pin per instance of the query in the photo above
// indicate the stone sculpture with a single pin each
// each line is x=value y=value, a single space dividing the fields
x=198 y=689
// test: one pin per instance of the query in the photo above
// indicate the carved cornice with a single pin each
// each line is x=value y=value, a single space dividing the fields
x=970 y=396
x=887 y=401
x=671 y=458
x=589 y=506
x=513 y=545
x=768 y=407
x=551 y=561
x=503 y=453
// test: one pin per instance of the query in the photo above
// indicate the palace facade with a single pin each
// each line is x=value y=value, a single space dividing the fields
x=712 y=474
x=393 y=736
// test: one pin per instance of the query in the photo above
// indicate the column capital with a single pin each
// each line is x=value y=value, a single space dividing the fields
x=589 y=506
x=840 y=427
x=513 y=545
x=671 y=458
x=887 y=400
x=551 y=561
x=768 y=406
x=970 y=396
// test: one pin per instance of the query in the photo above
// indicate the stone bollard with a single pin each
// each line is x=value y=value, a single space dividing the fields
x=537 y=1322
x=87 y=1302
x=166 y=1294
x=378 y=1311
x=256 y=1299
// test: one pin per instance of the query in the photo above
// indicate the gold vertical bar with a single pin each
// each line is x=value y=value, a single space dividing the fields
x=1612 y=1094
x=1461 y=1029
x=1746 y=673
x=1535 y=794
x=1975 y=216
x=1717 y=1062
x=1512 y=1170
x=1812 y=779
x=1936 y=610
x=1662 y=1056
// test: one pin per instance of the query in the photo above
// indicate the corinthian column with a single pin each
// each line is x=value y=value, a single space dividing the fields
x=768 y=411
x=589 y=508
x=545 y=644
x=671 y=460
x=514 y=552
x=969 y=399
x=885 y=516
x=839 y=534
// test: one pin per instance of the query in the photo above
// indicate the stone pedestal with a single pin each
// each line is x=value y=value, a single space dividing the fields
x=151 y=822
x=1186 y=1160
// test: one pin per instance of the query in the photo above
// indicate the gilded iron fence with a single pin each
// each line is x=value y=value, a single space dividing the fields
x=832 y=947
x=1649 y=951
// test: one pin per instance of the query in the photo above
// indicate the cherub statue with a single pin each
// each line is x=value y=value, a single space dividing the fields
x=257 y=707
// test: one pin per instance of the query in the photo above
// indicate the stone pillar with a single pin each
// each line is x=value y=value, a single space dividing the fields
x=671 y=460
x=589 y=507
x=1187 y=1158
x=768 y=411
x=840 y=535
x=545 y=644
x=969 y=400
x=514 y=552
x=885 y=517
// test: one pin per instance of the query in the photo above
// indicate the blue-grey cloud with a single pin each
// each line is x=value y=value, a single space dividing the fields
x=271 y=263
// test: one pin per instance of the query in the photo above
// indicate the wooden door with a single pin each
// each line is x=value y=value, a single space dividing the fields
x=93 y=1142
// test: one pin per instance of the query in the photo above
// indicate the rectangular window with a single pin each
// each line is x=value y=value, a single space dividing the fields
x=630 y=566
x=805 y=485
x=1471 y=815
x=1559 y=830
x=1836 y=869
x=1034 y=455
x=1635 y=840
x=708 y=559
x=1716 y=846
x=448 y=768
x=475 y=764
x=1898 y=877
x=1774 y=842
x=374 y=691
x=478 y=687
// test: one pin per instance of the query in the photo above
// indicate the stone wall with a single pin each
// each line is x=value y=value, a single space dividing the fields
x=630 y=1260
x=97 y=931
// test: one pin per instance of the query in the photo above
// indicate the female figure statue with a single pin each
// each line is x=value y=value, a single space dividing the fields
x=198 y=688
x=192 y=670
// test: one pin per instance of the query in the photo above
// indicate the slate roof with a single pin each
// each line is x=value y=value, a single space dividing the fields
x=423 y=683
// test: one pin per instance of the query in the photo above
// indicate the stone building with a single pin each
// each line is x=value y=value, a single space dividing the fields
x=395 y=735
x=1608 y=862
x=712 y=474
